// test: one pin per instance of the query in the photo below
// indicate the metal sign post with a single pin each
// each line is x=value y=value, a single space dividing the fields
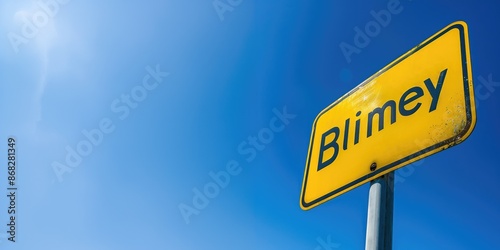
x=380 y=212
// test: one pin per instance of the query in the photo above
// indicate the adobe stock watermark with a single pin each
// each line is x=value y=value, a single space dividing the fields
x=223 y=6
x=32 y=24
x=401 y=174
x=363 y=36
x=248 y=149
x=327 y=244
x=121 y=108
x=485 y=88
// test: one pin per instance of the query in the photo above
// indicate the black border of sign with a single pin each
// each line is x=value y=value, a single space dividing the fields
x=450 y=141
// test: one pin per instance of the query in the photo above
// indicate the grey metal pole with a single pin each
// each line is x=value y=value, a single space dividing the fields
x=380 y=210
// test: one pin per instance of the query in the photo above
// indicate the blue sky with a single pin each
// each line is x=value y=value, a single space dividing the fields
x=220 y=78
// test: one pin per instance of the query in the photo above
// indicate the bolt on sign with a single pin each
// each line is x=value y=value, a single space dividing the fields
x=418 y=105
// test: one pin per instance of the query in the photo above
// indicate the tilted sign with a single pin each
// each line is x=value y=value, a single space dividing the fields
x=418 y=105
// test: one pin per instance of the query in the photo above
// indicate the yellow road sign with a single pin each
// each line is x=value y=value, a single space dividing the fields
x=418 y=105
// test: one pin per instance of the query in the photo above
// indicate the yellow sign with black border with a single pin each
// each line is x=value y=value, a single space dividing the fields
x=418 y=105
